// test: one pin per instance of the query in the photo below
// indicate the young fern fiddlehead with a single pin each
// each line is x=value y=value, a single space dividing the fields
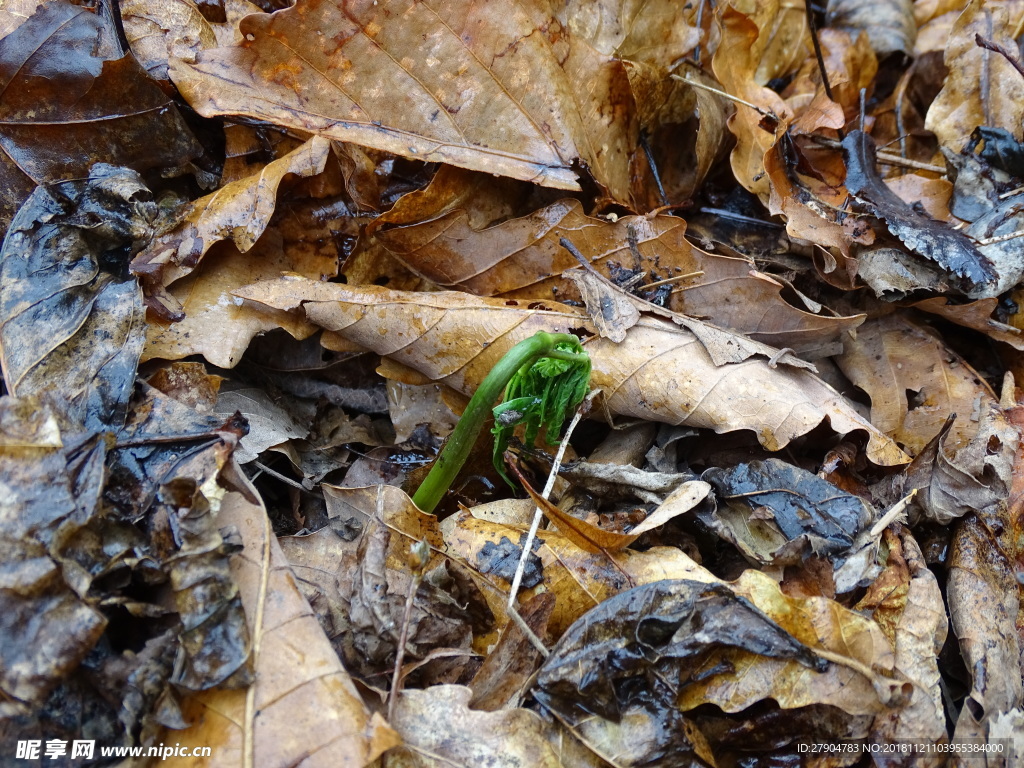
x=543 y=379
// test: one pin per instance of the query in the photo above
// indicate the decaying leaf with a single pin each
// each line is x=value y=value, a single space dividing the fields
x=70 y=327
x=976 y=477
x=981 y=575
x=438 y=729
x=953 y=251
x=214 y=639
x=71 y=98
x=302 y=705
x=49 y=629
x=661 y=373
x=777 y=513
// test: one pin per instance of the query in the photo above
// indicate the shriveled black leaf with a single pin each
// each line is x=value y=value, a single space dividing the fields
x=164 y=439
x=70 y=327
x=999 y=149
x=776 y=513
x=46 y=628
x=214 y=639
x=948 y=248
x=648 y=642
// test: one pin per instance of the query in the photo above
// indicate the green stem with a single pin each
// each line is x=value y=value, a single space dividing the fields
x=463 y=438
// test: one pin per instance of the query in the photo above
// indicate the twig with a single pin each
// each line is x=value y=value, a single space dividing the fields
x=1000 y=238
x=885 y=158
x=760 y=110
x=419 y=555
x=537 y=514
x=1002 y=50
x=821 y=59
x=645 y=145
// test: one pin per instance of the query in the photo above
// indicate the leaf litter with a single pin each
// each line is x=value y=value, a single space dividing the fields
x=257 y=259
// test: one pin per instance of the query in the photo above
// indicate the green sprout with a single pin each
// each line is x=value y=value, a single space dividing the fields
x=543 y=379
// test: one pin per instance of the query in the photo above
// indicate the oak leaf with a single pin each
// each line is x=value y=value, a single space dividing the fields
x=661 y=373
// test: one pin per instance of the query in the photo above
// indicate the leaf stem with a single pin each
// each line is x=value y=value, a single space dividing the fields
x=462 y=439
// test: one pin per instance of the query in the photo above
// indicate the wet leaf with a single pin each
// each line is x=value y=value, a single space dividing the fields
x=214 y=649
x=49 y=629
x=71 y=99
x=946 y=247
x=457 y=71
x=157 y=31
x=302 y=705
x=776 y=513
x=656 y=355
x=70 y=327
x=982 y=87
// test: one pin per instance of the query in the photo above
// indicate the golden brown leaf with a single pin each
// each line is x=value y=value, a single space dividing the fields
x=746 y=36
x=452 y=71
x=891 y=357
x=982 y=87
x=661 y=373
x=860 y=680
x=239 y=212
x=578 y=579
x=214 y=325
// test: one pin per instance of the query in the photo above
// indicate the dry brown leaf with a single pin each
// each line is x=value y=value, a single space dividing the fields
x=302 y=707
x=453 y=71
x=740 y=58
x=982 y=87
x=977 y=315
x=159 y=29
x=662 y=373
x=445 y=233
x=914 y=381
x=239 y=211
x=980 y=574
x=215 y=326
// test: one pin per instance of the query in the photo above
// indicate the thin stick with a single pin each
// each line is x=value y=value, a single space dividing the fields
x=1000 y=238
x=419 y=555
x=885 y=157
x=645 y=145
x=1002 y=50
x=760 y=110
x=670 y=280
x=818 y=55
x=537 y=513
